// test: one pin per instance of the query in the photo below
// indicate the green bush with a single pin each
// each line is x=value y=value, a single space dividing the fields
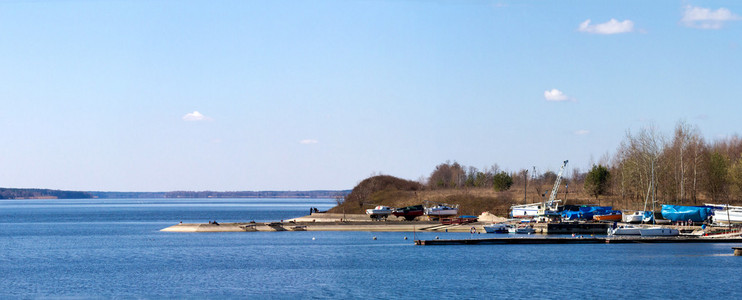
x=502 y=181
x=596 y=181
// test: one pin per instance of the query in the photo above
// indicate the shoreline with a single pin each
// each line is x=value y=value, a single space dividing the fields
x=332 y=222
x=361 y=222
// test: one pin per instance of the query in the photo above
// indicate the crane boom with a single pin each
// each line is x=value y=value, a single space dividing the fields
x=554 y=191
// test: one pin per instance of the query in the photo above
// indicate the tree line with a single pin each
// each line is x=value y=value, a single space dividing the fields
x=454 y=175
x=13 y=193
x=8 y=193
x=678 y=168
x=687 y=169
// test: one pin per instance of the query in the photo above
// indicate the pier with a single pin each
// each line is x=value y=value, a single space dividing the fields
x=578 y=240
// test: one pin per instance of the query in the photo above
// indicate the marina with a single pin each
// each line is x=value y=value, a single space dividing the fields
x=576 y=240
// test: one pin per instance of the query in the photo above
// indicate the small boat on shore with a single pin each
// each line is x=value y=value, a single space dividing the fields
x=409 y=212
x=659 y=231
x=525 y=210
x=613 y=215
x=496 y=228
x=379 y=212
x=636 y=217
x=442 y=210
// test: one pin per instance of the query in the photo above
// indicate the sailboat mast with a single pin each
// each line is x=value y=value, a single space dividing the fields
x=525 y=187
x=729 y=220
x=654 y=193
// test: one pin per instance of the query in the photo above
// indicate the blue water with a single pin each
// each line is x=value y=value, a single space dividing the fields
x=105 y=248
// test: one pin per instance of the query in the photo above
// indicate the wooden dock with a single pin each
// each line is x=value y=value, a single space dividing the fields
x=577 y=240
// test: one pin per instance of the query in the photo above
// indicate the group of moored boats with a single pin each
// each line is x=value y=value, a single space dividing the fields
x=709 y=213
x=712 y=213
x=554 y=211
x=412 y=212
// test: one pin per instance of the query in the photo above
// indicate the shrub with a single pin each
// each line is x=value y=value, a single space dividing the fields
x=502 y=181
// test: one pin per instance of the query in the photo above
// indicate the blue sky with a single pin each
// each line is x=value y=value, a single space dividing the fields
x=297 y=95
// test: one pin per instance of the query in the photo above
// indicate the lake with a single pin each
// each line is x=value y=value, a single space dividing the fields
x=112 y=248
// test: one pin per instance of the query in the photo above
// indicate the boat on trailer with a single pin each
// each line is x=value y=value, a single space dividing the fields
x=409 y=212
x=379 y=212
x=442 y=210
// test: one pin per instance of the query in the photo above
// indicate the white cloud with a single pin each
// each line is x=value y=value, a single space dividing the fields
x=555 y=95
x=582 y=132
x=611 y=27
x=308 y=142
x=195 y=116
x=705 y=18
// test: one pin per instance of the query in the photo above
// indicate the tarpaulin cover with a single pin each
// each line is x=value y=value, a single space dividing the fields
x=585 y=212
x=685 y=213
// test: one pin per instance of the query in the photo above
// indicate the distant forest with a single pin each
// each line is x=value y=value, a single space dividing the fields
x=9 y=193
x=6 y=193
x=212 y=194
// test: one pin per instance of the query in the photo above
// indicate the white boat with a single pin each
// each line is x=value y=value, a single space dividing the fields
x=725 y=214
x=525 y=210
x=379 y=212
x=625 y=230
x=442 y=210
x=659 y=231
x=636 y=217
x=496 y=228
x=521 y=230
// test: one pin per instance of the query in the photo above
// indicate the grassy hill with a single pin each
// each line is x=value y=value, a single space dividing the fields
x=397 y=192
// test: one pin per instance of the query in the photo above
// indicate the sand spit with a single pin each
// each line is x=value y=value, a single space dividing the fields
x=331 y=222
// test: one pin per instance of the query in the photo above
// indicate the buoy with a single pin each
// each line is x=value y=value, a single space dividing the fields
x=313 y=238
x=437 y=237
x=374 y=238
x=405 y=238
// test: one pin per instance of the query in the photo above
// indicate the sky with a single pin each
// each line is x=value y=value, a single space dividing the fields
x=301 y=95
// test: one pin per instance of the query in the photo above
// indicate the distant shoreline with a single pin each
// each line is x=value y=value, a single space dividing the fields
x=15 y=193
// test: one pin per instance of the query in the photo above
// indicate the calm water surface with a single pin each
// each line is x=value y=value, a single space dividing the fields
x=112 y=248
